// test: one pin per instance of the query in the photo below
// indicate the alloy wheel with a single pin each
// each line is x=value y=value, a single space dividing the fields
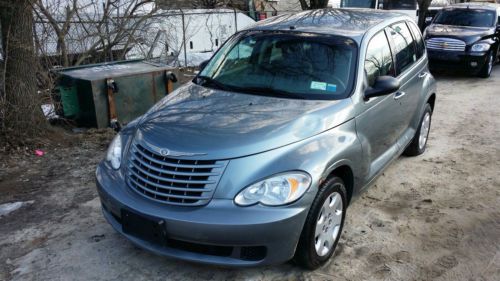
x=491 y=61
x=424 y=130
x=328 y=224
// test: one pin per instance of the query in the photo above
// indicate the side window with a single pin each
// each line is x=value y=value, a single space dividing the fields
x=239 y=54
x=378 y=60
x=404 y=46
x=419 y=42
x=243 y=50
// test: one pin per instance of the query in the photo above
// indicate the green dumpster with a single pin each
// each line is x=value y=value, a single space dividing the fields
x=84 y=90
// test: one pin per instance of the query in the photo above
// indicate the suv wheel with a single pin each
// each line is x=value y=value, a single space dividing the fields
x=485 y=72
x=323 y=225
x=419 y=142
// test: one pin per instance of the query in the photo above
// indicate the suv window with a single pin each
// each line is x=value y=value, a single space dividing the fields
x=418 y=39
x=358 y=3
x=404 y=48
x=400 y=4
x=378 y=61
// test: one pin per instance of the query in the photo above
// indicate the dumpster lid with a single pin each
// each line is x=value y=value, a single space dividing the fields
x=113 y=69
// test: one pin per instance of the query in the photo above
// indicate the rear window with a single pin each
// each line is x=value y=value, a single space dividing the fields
x=466 y=17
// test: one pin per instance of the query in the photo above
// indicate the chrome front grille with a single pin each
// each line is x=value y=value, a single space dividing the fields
x=445 y=44
x=170 y=180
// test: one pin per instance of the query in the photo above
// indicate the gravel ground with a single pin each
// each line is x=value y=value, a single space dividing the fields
x=433 y=217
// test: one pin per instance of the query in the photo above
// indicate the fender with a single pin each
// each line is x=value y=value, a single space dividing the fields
x=428 y=89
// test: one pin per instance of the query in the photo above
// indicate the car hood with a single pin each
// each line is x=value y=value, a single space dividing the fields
x=215 y=124
x=467 y=34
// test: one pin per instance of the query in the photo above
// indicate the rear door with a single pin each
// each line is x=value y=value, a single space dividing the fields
x=422 y=69
x=410 y=70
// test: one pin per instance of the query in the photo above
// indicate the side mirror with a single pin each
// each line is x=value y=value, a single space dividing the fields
x=384 y=85
x=203 y=64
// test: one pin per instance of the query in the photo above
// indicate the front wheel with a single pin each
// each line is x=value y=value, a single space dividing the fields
x=485 y=72
x=323 y=226
x=419 y=142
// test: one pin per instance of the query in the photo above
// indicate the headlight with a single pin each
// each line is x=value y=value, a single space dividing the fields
x=114 y=155
x=274 y=191
x=480 y=47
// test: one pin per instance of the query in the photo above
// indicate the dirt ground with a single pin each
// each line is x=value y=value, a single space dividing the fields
x=433 y=217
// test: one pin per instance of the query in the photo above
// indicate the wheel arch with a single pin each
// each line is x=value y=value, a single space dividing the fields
x=344 y=171
x=431 y=100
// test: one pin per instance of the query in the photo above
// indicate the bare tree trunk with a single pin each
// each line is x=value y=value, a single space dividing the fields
x=423 y=7
x=20 y=106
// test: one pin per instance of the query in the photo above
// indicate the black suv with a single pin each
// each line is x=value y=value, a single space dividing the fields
x=467 y=35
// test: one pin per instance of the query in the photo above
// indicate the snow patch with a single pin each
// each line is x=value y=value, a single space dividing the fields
x=8 y=208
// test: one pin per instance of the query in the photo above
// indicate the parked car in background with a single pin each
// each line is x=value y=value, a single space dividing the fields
x=465 y=35
x=408 y=7
x=256 y=160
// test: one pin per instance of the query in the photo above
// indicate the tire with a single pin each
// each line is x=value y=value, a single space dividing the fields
x=496 y=56
x=332 y=219
x=485 y=72
x=419 y=141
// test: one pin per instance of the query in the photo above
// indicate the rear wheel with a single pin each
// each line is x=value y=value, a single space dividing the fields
x=419 y=142
x=323 y=226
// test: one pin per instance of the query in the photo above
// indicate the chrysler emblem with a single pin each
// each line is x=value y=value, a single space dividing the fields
x=164 y=152
x=167 y=152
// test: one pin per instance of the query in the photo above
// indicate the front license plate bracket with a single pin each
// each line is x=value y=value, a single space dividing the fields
x=145 y=228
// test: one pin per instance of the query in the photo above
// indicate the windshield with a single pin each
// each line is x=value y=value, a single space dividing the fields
x=292 y=65
x=466 y=17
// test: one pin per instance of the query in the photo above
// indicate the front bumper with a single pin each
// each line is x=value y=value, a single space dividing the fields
x=470 y=61
x=217 y=233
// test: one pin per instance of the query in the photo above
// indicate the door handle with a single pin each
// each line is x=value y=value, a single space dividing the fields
x=422 y=75
x=399 y=95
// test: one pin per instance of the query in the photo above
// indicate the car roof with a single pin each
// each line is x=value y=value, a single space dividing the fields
x=475 y=5
x=352 y=23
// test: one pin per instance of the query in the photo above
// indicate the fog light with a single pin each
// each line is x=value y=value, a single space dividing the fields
x=473 y=64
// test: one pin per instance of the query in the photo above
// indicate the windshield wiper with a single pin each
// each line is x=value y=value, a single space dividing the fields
x=268 y=91
x=263 y=91
x=210 y=81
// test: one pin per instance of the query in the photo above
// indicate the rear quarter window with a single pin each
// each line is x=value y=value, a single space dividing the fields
x=404 y=46
x=419 y=42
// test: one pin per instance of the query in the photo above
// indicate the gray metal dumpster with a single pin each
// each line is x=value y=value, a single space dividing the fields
x=84 y=92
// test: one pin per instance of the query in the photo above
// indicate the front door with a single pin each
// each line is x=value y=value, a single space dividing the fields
x=379 y=125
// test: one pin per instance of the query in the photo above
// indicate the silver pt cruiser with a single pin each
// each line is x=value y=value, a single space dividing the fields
x=257 y=159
